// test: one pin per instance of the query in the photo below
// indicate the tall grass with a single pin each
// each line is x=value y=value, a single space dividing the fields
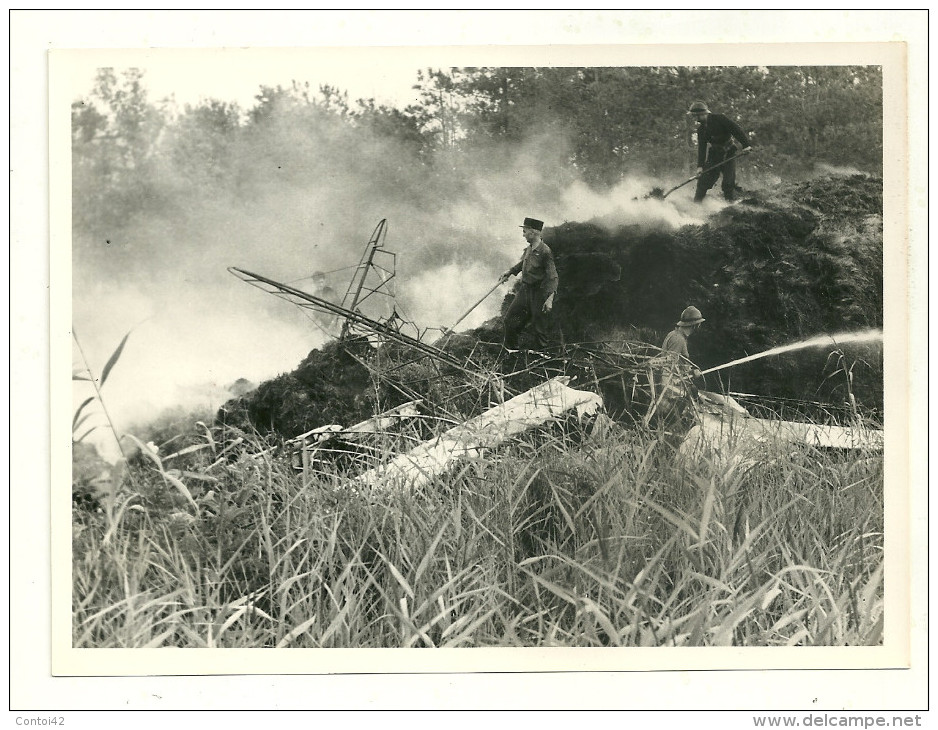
x=568 y=537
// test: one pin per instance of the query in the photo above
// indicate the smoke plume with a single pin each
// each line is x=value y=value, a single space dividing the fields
x=294 y=199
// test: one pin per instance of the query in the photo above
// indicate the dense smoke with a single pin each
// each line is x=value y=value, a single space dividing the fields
x=291 y=200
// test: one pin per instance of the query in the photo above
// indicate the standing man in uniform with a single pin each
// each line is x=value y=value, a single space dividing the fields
x=534 y=298
x=715 y=134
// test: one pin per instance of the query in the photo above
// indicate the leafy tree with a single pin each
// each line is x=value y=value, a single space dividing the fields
x=387 y=122
x=87 y=123
x=114 y=134
x=133 y=123
x=437 y=114
x=200 y=146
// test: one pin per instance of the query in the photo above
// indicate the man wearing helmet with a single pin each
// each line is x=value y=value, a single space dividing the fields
x=676 y=340
x=715 y=134
x=674 y=381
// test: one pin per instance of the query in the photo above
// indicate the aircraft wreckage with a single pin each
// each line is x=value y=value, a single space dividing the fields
x=608 y=381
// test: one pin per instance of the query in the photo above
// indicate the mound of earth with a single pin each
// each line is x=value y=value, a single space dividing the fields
x=330 y=385
x=781 y=266
x=777 y=268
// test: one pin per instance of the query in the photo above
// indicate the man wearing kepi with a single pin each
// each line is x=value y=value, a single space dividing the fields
x=534 y=298
x=715 y=134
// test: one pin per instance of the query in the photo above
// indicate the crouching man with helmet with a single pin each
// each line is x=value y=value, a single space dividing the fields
x=678 y=390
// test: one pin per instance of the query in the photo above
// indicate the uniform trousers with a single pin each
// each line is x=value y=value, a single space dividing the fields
x=715 y=156
x=527 y=307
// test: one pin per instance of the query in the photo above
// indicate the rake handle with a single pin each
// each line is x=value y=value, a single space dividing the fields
x=704 y=172
x=472 y=308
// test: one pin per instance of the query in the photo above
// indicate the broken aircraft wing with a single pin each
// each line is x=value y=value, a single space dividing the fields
x=528 y=410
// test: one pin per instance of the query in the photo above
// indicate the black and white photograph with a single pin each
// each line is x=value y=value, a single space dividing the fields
x=481 y=358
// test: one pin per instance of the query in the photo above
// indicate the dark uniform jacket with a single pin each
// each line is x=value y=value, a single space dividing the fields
x=718 y=130
x=537 y=268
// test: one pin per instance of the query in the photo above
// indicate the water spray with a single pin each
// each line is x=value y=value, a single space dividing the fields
x=819 y=341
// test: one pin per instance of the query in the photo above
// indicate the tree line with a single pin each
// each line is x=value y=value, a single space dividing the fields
x=622 y=119
x=129 y=151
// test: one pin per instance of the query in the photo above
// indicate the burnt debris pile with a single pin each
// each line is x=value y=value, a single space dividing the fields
x=780 y=266
x=329 y=386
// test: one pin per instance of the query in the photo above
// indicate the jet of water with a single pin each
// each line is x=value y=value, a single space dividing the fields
x=819 y=341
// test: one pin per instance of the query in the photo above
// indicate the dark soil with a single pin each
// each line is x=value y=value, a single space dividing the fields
x=329 y=386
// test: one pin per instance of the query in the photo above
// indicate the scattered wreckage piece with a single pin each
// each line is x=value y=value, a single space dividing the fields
x=306 y=443
x=374 y=425
x=713 y=427
x=727 y=431
x=533 y=408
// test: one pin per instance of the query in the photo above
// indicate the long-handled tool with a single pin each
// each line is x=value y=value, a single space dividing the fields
x=449 y=330
x=704 y=172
